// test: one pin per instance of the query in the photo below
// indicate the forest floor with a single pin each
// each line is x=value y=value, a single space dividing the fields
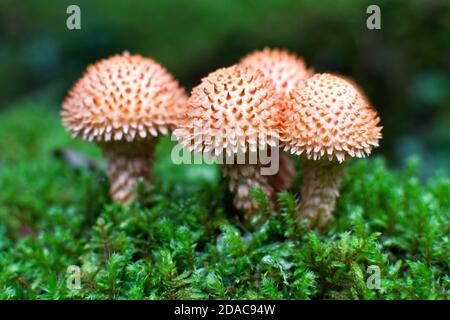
x=184 y=241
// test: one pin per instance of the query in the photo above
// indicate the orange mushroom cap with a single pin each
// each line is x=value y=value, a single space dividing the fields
x=330 y=118
x=122 y=98
x=233 y=109
x=286 y=70
x=354 y=84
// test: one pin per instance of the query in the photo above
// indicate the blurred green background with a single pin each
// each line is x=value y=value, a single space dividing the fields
x=404 y=67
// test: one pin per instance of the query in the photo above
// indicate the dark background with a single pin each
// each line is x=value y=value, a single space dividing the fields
x=404 y=67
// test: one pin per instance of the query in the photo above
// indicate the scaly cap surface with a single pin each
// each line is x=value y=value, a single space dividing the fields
x=233 y=110
x=330 y=118
x=286 y=70
x=124 y=97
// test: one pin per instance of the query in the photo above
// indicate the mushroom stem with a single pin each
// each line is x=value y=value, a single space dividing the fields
x=282 y=180
x=125 y=167
x=319 y=191
x=244 y=177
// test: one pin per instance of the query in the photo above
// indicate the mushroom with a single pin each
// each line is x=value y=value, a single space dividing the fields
x=232 y=113
x=329 y=122
x=123 y=104
x=287 y=72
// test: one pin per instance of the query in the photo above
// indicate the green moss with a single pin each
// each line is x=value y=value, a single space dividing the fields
x=184 y=241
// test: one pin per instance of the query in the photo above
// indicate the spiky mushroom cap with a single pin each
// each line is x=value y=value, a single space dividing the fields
x=286 y=70
x=354 y=84
x=124 y=97
x=330 y=119
x=232 y=110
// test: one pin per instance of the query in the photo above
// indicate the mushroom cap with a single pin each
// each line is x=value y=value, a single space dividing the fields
x=286 y=70
x=233 y=110
x=124 y=97
x=329 y=118
x=354 y=84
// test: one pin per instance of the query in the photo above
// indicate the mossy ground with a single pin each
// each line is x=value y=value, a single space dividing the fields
x=185 y=241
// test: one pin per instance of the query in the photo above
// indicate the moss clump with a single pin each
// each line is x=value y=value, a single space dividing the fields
x=184 y=241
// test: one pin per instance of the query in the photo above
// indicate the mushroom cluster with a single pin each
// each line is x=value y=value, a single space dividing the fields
x=123 y=104
x=268 y=101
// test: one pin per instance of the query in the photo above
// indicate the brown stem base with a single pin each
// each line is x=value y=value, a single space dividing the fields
x=125 y=166
x=285 y=175
x=319 y=191
x=243 y=178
